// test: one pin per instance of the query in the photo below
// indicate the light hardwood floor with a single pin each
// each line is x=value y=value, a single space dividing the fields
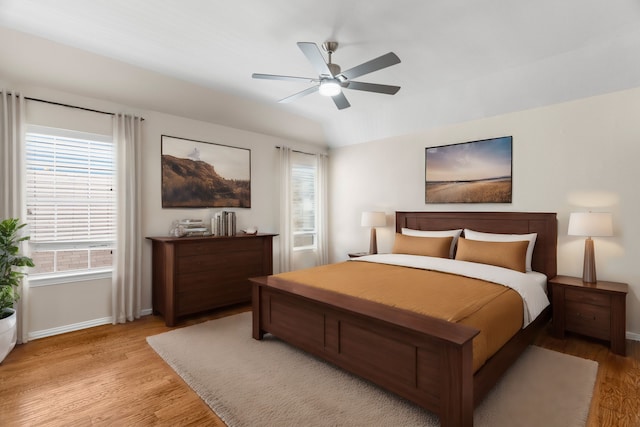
x=108 y=375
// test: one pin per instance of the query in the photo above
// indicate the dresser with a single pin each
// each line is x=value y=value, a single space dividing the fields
x=196 y=274
x=596 y=309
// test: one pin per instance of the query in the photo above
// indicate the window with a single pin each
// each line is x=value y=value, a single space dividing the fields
x=303 y=200
x=71 y=201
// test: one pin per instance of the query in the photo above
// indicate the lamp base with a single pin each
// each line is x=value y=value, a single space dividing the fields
x=373 y=244
x=589 y=266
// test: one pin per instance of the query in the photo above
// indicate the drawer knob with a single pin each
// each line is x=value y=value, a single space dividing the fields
x=578 y=314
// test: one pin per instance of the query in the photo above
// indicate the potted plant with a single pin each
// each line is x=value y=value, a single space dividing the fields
x=10 y=278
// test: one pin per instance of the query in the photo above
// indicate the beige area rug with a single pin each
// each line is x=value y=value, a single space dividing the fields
x=269 y=383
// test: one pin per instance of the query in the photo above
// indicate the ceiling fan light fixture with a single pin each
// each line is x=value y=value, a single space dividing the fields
x=331 y=79
x=329 y=88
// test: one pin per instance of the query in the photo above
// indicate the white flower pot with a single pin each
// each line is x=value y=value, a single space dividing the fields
x=8 y=334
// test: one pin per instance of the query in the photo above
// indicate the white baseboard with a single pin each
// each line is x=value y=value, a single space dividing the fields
x=78 y=326
x=633 y=336
x=69 y=328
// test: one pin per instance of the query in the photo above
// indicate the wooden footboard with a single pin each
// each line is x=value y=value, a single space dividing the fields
x=423 y=359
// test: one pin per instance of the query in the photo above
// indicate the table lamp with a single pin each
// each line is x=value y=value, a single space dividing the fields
x=590 y=224
x=373 y=220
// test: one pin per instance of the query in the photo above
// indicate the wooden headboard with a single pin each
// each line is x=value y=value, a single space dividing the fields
x=545 y=224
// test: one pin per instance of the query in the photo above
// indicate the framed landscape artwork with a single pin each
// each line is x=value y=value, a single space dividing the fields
x=469 y=172
x=197 y=174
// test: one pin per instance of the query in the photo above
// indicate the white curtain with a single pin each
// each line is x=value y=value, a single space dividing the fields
x=285 y=238
x=12 y=111
x=286 y=227
x=322 y=207
x=127 y=272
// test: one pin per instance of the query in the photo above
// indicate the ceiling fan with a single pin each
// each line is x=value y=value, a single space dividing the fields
x=331 y=80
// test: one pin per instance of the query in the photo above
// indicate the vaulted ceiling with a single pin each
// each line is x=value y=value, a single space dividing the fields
x=461 y=59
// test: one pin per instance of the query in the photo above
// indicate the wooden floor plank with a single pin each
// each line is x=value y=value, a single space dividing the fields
x=108 y=375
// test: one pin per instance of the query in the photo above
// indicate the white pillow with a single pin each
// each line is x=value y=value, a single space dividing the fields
x=443 y=233
x=496 y=237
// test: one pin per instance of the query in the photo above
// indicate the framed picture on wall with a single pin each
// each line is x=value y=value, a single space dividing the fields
x=197 y=174
x=469 y=172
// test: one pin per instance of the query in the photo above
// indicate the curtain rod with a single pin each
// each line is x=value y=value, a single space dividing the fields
x=71 y=106
x=303 y=152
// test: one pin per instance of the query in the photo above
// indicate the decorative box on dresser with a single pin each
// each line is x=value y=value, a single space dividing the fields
x=196 y=274
x=596 y=309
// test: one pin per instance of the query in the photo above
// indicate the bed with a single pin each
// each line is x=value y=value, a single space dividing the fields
x=422 y=358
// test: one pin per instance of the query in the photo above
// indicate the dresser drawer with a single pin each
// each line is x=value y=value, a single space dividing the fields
x=587 y=297
x=199 y=293
x=238 y=260
x=587 y=319
x=215 y=246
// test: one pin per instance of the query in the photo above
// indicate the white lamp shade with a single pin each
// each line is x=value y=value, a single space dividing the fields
x=329 y=88
x=591 y=224
x=374 y=219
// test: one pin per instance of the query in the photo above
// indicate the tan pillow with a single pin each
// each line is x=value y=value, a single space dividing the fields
x=512 y=255
x=426 y=246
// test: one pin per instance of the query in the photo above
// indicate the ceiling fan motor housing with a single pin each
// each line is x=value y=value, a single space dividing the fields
x=334 y=68
x=330 y=47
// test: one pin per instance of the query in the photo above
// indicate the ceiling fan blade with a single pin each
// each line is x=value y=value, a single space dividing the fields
x=376 y=64
x=372 y=87
x=314 y=56
x=278 y=77
x=295 y=96
x=341 y=101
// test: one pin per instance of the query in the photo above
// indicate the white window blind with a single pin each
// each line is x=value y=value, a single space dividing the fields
x=70 y=188
x=304 y=200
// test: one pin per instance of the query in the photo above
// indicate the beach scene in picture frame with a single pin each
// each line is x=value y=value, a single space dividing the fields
x=470 y=172
x=198 y=174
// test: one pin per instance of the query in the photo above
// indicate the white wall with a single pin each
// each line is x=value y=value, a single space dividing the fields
x=567 y=157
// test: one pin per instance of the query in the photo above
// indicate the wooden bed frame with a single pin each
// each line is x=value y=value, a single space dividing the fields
x=423 y=359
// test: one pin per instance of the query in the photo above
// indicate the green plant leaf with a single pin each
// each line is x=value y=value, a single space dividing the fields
x=10 y=261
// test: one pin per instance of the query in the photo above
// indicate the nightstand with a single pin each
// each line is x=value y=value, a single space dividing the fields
x=358 y=254
x=597 y=309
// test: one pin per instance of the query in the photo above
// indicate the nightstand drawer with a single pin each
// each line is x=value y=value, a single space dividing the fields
x=588 y=319
x=587 y=297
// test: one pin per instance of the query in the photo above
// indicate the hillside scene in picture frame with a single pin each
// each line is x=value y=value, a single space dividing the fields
x=197 y=174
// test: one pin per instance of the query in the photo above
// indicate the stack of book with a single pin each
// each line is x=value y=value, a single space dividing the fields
x=224 y=224
x=193 y=227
